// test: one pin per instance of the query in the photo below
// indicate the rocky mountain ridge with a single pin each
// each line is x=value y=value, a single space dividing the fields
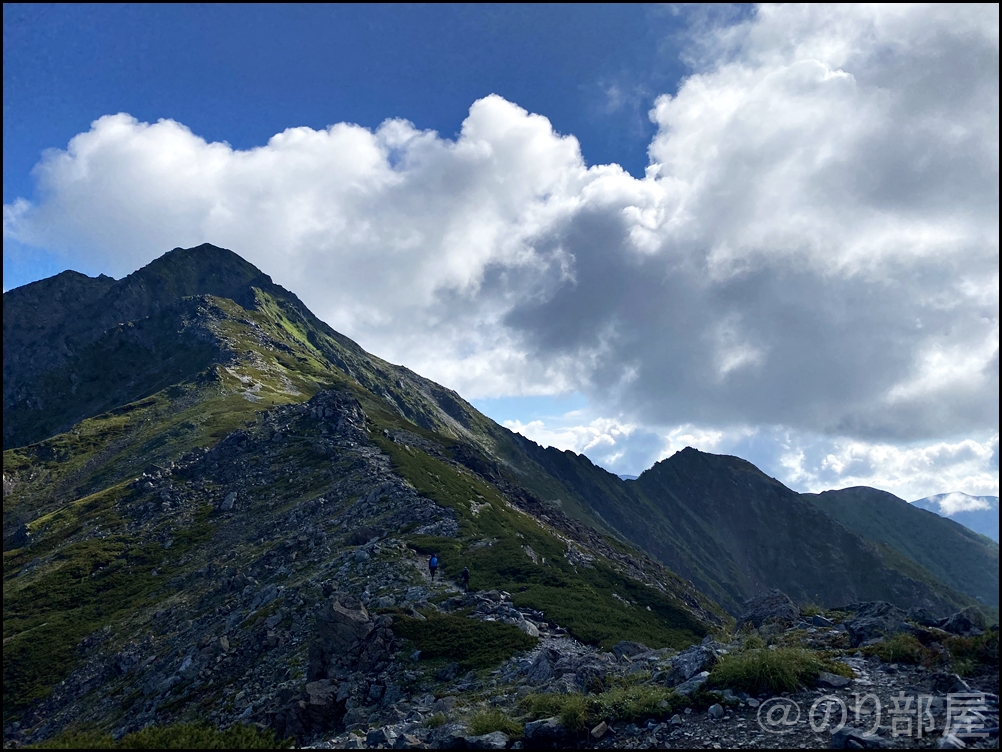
x=244 y=502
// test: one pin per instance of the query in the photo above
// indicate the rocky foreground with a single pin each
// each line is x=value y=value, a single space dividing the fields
x=326 y=629
x=564 y=694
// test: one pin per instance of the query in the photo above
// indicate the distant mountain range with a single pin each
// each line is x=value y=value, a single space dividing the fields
x=192 y=435
x=979 y=513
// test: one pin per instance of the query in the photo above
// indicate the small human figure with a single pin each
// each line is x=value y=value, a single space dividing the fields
x=433 y=565
x=464 y=578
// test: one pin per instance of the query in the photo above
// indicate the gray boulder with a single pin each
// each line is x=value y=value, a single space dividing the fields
x=229 y=501
x=445 y=704
x=690 y=686
x=774 y=607
x=590 y=671
x=690 y=662
x=970 y=621
x=384 y=736
x=449 y=736
x=875 y=620
x=629 y=649
x=541 y=670
x=922 y=617
x=545 y=730
x=344 y=621
x=448 y=672
x=850 y=738
x=493 y=740
x=834 y=681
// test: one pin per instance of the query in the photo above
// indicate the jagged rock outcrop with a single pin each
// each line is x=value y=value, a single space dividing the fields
x=874 y=620
x=774 y=607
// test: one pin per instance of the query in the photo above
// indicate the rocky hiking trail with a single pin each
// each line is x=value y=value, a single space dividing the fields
x=695 y=709
x=300 y=602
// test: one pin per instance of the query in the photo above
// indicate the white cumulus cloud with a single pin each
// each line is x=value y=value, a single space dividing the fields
x=813 y=252
x=954 y=503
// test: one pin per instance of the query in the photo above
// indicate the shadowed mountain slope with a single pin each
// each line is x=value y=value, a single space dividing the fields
x=953 y=554
x=977 y=513
x=755 y=533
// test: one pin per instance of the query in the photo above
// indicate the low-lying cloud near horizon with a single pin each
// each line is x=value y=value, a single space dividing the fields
x=808 y=271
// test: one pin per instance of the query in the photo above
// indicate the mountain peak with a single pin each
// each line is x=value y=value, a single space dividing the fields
x=202 y=270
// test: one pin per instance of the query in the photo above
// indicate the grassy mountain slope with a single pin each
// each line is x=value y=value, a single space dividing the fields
x=755 y=533
x=977 y=513
x=133 y=409
x=117 y=533
x=966 y=561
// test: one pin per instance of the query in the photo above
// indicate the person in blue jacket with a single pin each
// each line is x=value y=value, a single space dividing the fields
x=433 y=565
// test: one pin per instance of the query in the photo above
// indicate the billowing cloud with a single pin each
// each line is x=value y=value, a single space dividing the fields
x=814 y=248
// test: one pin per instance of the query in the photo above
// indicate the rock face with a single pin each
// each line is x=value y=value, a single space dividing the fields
x=970 y=621
x=873 y=620
x=342 y=625
x=774 y=607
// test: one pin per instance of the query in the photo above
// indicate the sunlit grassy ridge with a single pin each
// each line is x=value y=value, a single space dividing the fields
x=506 y=549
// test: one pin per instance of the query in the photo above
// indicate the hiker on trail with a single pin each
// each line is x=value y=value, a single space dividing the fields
x=464 y=577
x=433 y=565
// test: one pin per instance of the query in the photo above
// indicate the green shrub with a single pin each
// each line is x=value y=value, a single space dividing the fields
x=900 y=648
x=762 y=671
x=77 y=740
x=972 y=655
x=633 y=703
x=436 y=720
x=623 y=703
x=175 y=736
x=574 y=713
x=89 y=584
x=471 y=643
x=491 y=720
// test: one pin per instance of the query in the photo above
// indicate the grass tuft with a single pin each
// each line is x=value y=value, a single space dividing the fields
x=974 y=655
x=579 y=712
x=436 y=720
x=488 y=721
x=763 y=671
x=901 y=648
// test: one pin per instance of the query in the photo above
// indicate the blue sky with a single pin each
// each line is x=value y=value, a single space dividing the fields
x=770 y=231
x=241 y=73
